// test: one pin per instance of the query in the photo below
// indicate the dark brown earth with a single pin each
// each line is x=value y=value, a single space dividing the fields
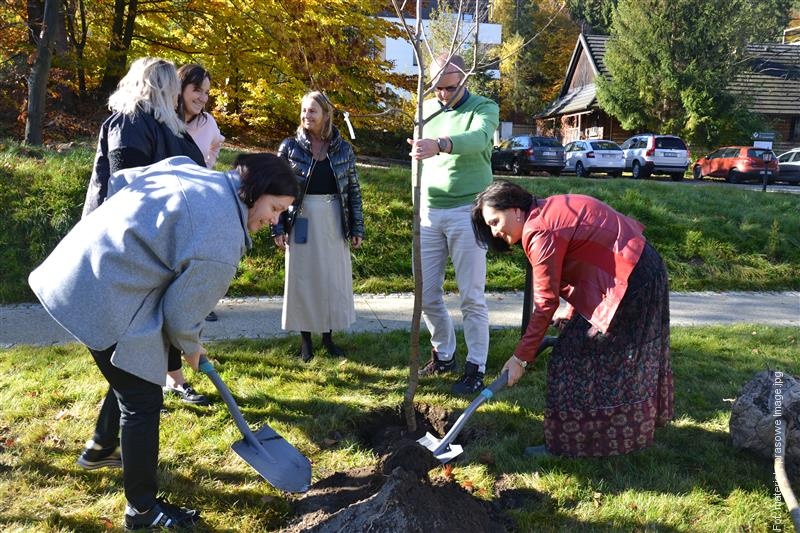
x=398 y=495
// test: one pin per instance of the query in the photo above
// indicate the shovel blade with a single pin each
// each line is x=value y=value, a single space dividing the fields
x=444 y=454
x=280 y=463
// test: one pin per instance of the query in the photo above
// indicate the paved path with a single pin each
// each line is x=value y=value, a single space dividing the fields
x=260 y=317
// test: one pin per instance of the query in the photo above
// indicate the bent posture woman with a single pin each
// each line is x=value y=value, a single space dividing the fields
x=609 y=379
x=137 y=276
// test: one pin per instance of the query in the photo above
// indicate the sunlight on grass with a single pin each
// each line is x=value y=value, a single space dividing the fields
x=691 y=479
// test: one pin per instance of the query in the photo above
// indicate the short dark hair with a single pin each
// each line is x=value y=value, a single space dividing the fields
x=500 y=195
x=264 y=174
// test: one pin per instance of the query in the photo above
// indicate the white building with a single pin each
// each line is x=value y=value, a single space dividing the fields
x=401 y=52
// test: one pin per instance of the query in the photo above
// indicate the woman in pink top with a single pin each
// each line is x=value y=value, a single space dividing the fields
x=201 y=126
x=609 y=378
x=195 y=84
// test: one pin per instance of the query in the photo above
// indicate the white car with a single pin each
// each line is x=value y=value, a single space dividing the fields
x=647 y=154
x=595 y=155
x=789 y=164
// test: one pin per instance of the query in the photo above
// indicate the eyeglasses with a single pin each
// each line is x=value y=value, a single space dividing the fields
x=449 y=88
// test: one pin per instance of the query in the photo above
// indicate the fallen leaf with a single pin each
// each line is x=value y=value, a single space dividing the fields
x=106 y=522
x=329 y=442
x=448 y=471
x=468 y=486
x=64 y=413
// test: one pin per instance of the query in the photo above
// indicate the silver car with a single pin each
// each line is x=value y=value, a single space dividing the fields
x=648 y=153
x=596 y=155
x=789 y=163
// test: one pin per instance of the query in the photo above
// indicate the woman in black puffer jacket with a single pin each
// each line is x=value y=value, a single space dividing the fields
x=326 y=220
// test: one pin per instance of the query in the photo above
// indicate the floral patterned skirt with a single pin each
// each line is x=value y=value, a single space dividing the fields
x=606 y=393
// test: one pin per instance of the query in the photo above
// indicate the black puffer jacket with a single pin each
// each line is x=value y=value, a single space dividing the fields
x=297 y=150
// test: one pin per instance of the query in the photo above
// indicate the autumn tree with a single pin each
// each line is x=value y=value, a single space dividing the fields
x=538 y=38
x=670 y=62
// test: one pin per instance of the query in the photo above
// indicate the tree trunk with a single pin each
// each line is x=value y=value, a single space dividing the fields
x=40 y=72
x=121 y=36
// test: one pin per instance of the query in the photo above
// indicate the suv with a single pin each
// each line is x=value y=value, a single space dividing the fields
x=789 y=163
x=737 y=163
x=648 y=153
x=524 y=153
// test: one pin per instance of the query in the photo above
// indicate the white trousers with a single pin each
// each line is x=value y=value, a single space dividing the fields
x=443 y=233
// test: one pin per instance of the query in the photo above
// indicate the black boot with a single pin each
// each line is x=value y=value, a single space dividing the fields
x=333 y=350
x=306 y=348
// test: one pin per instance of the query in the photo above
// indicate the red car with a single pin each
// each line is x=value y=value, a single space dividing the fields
x=737 y=163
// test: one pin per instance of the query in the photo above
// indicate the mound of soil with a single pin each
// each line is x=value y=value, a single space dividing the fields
x=398 y=495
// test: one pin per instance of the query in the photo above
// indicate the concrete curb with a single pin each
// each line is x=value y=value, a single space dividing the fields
x=260 y=317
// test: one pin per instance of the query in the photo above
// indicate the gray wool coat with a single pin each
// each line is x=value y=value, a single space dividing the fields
x=144 y=269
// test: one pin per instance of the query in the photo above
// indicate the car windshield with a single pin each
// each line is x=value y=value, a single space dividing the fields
x=605 y=145
x=670 y=143
x=758 y=153
x=552 y=143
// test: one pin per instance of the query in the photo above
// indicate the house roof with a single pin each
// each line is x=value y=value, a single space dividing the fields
x=584 y=97
x=772 y=83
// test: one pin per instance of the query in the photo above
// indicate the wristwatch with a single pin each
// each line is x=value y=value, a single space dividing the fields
x=442 y=144
x=520 y=362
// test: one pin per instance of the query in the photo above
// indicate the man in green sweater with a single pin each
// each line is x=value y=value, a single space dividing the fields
x=455 y=155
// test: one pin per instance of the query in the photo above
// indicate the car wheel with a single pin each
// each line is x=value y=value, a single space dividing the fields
x=516 y=169
x=636 y=170
x=733 y=176
x=697 y=172
x=580 y=171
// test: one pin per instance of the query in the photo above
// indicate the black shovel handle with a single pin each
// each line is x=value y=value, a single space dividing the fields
x=207 y=368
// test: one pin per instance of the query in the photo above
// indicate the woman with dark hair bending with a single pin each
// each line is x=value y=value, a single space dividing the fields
x=136 y=277
x=609 y=378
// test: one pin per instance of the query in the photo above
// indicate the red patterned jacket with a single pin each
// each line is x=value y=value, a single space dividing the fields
x=583 y=251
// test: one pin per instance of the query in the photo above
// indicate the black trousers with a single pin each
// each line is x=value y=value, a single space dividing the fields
x=130 y=415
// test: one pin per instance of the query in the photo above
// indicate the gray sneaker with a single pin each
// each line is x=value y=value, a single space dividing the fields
x=437 y=366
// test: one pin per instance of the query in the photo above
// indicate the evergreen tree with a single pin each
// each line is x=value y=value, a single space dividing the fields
x=671 y=61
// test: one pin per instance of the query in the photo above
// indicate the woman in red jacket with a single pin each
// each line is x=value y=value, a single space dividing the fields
x=609 y=379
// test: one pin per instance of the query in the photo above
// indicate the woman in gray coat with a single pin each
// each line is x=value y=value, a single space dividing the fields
x=138 y=275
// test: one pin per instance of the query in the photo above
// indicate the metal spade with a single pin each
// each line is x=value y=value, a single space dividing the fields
x=280 y=463
x=442 y=449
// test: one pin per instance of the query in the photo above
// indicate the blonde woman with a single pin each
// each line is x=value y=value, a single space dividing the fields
x=318 y=291
x=143 y=129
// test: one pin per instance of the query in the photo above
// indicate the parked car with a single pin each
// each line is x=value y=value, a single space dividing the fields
x=596 y=155
x=524 y=153
x=647 y=154
x=789 y=166
x=736 y=163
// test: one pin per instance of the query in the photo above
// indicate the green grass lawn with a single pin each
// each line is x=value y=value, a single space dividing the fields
x=690 y=480
x=711 y=237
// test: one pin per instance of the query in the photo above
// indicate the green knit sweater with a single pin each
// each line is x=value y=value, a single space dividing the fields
x=453 y=180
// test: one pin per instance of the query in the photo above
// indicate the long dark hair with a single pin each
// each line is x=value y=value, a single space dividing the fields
x=192 y=75
x=500 y=195
x=264 y=174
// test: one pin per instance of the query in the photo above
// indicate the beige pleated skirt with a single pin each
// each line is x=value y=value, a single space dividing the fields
x=318 y=289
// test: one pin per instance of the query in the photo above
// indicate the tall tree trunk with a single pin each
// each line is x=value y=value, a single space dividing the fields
x=78 y=42
x=121 y=36
x=40 y=72
x=35 y=9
